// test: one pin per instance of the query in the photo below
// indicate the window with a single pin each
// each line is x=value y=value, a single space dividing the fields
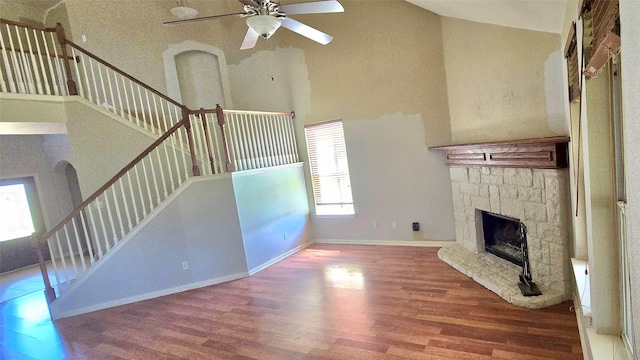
x=329 y=168
x=15 y=215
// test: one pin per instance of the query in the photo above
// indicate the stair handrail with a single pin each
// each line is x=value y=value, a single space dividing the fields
x=38 y=240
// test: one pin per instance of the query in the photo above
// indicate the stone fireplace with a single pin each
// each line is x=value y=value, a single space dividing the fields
x=538 y=197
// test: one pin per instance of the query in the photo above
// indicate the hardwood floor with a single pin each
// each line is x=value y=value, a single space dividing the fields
x=326 y=302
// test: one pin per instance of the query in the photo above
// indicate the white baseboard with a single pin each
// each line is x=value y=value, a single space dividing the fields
x=56 y=314
x=278 y=258
x=420 y=243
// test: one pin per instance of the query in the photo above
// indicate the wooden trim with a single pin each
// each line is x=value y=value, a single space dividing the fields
x=538 y=153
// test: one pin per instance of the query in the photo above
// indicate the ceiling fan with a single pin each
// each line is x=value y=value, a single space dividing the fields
x=264 y=17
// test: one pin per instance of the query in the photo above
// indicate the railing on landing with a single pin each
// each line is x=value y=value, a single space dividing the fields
x=43 y=61
x=190 y=143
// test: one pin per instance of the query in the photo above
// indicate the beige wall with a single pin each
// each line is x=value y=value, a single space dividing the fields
x=376 y=69
x=503 y=83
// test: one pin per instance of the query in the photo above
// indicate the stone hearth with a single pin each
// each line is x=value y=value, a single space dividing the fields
x=538 y=198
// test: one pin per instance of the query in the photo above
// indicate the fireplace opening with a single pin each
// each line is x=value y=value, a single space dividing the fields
x=502 y=237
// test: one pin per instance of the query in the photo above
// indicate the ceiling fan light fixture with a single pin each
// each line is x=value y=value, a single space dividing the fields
x=264 y=25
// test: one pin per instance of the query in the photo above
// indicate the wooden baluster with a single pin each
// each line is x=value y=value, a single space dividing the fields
x=87 y=239
x=213 y=135
x=126 y=97
x=50 y=293
x=272 y=141
x=173 y=148
x=135 y=106
x=251 y=141
x=287 y=138
x=52 y=74
x=118 y=214
x=16 y=64
x=264 y=134
x=118 y=93
x=256 y=141
x=133 y=197
x=222 y=123
x=187 y=127
x=95 y=232
x=60 y=79
x=294 y=142
x=182 y=148
x=71 y=252
x=71 y=85
x=207 y=139
x=248 y=143
x=280 y=137
x=148 y=186
x=152 y=124
x=7 y=67
x=79 y=77
x=95 y=83
x=239 y=137
x=104 y=228
x=197 y=140
x=144 y=206
x=26 y=68
x=75 y=233
x=161 y=130
x=110 y=218
x=125 y=204
x=164 y=182
x=43 y=82
x=257 y=120
x=104 y=101
x=54 y=263
x=113 y=99
x=63 y=260
x=142 y=109
x=153 y=177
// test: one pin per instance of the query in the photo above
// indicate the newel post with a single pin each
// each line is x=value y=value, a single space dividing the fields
x=192 y=150
x=221 y=123
x=71 y=84
x=203 y=118
x=49 y=292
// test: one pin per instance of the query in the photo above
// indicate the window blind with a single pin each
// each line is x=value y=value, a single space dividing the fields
x=601 y=35
x=573 y=65
x=329 y=168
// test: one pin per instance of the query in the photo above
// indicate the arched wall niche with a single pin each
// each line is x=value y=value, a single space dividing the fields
x=176 y=64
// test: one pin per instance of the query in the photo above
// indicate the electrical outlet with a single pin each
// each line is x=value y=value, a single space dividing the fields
x=185 y=265
x=374 y=225
x=394 y=225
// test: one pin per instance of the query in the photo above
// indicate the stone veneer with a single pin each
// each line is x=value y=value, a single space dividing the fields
x=539 y=198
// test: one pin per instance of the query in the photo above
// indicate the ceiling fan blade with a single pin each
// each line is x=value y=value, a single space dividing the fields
x=316 y=7
x=177 y=22
x=250 y=3
x=306 y=31
x=250 y=39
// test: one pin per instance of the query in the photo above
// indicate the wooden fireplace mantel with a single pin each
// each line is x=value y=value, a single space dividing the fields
x=538 y=153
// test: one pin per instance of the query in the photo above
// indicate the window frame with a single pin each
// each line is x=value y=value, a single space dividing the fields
x=329 y=131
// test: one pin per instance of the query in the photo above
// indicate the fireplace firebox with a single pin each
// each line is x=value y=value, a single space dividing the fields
x=502 y=237
x=506 y=237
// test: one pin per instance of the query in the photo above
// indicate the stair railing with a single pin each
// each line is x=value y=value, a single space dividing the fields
x=210 y=141
x=43 y=61
x=94 y=228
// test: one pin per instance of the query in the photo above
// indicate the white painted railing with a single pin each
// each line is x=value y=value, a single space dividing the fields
x=106 y=217
x=260 y=139
x=42 y=61
x=32 y=61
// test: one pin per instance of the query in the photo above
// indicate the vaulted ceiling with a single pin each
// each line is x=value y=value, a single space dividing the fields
x=539 y=15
